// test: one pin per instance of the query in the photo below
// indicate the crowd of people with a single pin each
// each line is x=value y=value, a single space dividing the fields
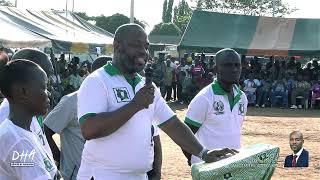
x=274 y=84
x=281 y=83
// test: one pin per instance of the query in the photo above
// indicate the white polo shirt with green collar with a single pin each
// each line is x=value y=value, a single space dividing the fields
x=219 y=119
x=127 y=153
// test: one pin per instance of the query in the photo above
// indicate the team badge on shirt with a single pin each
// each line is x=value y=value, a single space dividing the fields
x=218 y=107
x=48 y=165
x=122 y=94
x=241 y=109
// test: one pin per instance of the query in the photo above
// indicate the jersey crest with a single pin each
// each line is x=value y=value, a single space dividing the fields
x=121 y=94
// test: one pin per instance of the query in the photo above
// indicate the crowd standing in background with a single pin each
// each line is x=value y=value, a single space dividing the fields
x=276 y=83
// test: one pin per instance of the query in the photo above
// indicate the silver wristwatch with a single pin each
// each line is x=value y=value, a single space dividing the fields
x=202 y=152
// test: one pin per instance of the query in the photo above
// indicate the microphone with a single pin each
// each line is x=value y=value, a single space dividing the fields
x=149 y=75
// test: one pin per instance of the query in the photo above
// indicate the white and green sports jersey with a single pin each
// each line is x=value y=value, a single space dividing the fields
x=35 y=126
x=219 y=119
x=22 y=155
x=128 y=150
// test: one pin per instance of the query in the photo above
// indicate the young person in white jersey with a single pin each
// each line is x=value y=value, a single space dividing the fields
x=36 y=125
x=22 y=156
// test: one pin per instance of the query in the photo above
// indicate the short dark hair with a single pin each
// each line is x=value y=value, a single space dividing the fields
x=37 y=57
x=99 y=62
x=16 y=71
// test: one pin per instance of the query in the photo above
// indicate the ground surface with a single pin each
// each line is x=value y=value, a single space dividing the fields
x=267 y=125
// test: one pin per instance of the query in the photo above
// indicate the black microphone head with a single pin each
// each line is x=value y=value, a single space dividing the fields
x=149 y=75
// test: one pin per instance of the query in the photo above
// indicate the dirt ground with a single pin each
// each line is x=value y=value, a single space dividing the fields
x=271 y=126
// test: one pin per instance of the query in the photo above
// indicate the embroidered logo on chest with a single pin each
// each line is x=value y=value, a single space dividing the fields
x=122 y=94
x=218 y=107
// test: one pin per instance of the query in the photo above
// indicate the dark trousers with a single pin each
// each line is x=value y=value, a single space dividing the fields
x=168 y=92
x=262 y=96
x=174 y=88
x=179 y=92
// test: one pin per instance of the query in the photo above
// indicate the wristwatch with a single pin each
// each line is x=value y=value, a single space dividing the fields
x=202 y=153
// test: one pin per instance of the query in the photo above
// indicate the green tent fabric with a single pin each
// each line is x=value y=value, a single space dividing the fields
x=67 y=35
x=251 y=35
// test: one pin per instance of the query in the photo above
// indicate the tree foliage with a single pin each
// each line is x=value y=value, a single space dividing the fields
x=110 y=23
x=84 y=16
x=181 y=15
x=169 y=12
x=247 y=7
x=168 y=29
x=164 y=10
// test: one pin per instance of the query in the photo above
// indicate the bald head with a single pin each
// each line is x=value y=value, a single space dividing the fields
x=226 y=53
x=296 y=133
x=126 y=31
x=130 y=46
x=228 y=66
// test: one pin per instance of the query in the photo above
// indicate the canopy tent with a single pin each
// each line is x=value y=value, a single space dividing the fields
x=252 y=35
x=67 y=35
x=15 y=36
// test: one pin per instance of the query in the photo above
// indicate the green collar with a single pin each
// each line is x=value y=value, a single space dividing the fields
x=113 y=71
x=217 y=90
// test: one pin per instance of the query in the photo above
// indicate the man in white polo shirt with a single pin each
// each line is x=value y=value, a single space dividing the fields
x=116 y=110
x=216 y=114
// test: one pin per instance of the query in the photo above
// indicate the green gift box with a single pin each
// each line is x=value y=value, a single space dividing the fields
x=256 y=162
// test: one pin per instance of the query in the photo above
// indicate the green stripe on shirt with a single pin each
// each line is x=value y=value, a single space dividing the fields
x=192 y=122
x=173 y=117
x=84 y=117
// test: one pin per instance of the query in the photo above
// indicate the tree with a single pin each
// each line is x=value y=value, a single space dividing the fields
x=169 y=12
x=247 y=7
x=181 y=15
x=168 y=29
x=5 y=3
x=111 y=23
x=84 y=16
x=164 y=10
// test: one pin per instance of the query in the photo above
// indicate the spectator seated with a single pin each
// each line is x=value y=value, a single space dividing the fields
x=315 y=93
x=250 y=87
x=263 y=92
x=300 y=90
x=279 y=92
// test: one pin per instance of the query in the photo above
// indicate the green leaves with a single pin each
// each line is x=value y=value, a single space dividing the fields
x=247 y=7
x=168 y=29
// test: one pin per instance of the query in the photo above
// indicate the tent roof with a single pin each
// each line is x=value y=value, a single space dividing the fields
x=67 y=33
x=14 y=36
x=252 y=35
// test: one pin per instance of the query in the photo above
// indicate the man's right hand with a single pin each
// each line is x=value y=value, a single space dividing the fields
x=144 y=97
x=216 y=155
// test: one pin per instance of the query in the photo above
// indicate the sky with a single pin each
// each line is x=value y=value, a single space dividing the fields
x=149 y=11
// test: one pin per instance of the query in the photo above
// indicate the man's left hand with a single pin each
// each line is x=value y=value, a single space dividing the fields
x=216 y=155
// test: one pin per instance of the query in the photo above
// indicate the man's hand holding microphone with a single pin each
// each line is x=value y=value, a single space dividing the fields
x=144 y=97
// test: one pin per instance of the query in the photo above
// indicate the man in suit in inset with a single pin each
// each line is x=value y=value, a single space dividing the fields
x=300 y=156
